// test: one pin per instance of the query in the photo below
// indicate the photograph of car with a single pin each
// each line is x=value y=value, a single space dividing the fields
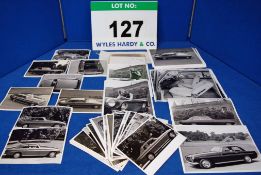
x=71 y=54
x=221 y=155
x=35 y=122
x=28 y=99
x=172 y=55
x=39 y=68
x=192 y=83
x=203 y=111
x=59 y=82
x=19 y=97
x=81 y=103
x=90 y=67
x=218 y=149
x=176 y=58
x=30 y=150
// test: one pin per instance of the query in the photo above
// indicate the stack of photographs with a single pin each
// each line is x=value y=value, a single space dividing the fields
x=177 y=58
x=119 y=137
x=38 y=136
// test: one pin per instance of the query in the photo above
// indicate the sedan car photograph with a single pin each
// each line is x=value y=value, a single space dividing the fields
x=81 y=102
x=37 y=122
x=221 y=155
x=30 y=150
x=28 y=99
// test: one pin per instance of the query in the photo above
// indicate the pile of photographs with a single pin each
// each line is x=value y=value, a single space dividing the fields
x=122 y=136
x=217 y=141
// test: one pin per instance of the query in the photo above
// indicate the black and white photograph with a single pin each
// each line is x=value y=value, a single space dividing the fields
x=176 y=58
x=44 y=117
x=59 y=82
x=19 y=97
x=71 y=54
x=42 y=67
x=203 y=111
x=89 y=128
x=127 y=72
x=97 y=124
x=82 y=101
x=151 y=145
x=127 y=96
x=89 y=68
x=194 y=83
x=34 y=146
x=125 y=57
x=218 y=149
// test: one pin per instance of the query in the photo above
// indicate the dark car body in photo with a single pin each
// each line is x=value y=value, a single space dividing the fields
x=81 y=102
x=172 y=55
x=36 y=122
x=221 y=155
x=28 y=99
x=152 y=147
x=90 y=67
x=61 y=83
x=30 y=150
x=136 y=105
x=45 y=70
x=205 y=120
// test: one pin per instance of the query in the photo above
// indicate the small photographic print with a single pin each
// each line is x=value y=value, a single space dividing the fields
x=218 y=149
x=97 y=124
x=151 y=145
x=195 y=83
x=59 y=82
x=71 y=54
x=203 y=111
x=82 y=101
x=39 y=68
x=19 y=97
x=88 y=67
x=43 y=117
x=34 y=146
x=176 y=58
x=127 y=72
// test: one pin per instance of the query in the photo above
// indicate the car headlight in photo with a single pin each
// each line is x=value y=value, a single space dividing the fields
x=111 y=102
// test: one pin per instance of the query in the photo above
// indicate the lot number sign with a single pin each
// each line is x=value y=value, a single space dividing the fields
x=124 y=25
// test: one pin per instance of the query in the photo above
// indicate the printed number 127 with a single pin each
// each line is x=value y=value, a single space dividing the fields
x=128 y=25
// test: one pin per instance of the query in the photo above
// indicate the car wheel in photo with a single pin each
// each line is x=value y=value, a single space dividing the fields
x=17 y=155
x=248 y=159
x=204 y=163
x=151 y=156
x=25 y=126
x=52 y=154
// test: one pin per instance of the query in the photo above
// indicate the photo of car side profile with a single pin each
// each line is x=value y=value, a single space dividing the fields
x=81 y=102
x=206 y=120
x=60 y=83
x=45 y=70
x=70 y=54
x=36 y=122
x=90 y=67
x=30 y=150
x=152 y=147
x=28 y=99
x=221 y=155
x=172 y=55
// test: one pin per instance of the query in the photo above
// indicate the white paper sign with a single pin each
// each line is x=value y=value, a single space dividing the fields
x=124 y=25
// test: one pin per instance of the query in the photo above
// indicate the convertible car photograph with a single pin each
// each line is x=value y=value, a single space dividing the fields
x=30 y=150
x=37 y=122
x=221 y=155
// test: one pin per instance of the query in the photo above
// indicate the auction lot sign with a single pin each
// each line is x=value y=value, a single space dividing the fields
x=124 y=25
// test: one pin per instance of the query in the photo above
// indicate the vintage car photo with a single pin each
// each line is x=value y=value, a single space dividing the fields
x=88 y=67
x=89 y=101
x=34 y=146
x=59 y=82
x=149 y=141
x=126 y=72
x=193 y=83
x=39 y=68
x=39 y=117
x=176 y=58
x=71 y=54
x=203 y=111
x=218 y=149
x=127 y=96
x=20 y=97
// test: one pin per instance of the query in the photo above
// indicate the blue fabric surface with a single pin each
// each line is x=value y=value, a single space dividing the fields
x=28 y=29
x=172 y=24
x=244 y=93
x=230 y=30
